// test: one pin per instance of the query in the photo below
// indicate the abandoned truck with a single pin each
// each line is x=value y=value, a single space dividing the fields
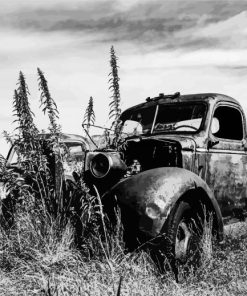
x=180 y=156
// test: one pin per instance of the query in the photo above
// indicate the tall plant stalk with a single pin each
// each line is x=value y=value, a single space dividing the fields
x=28 y=131
x=89 y=116
x=48 y=103
x=57 y=173
x=115 y=109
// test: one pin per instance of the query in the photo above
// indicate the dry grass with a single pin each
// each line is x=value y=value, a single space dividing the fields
x=38 y=261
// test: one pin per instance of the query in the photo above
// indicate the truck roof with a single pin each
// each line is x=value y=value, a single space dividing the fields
x=178 y=98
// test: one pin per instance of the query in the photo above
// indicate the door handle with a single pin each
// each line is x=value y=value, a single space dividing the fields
x=212 y=143
x=244 y=144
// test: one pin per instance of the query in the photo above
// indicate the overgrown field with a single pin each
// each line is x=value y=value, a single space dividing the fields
x=39 y=259
x=54 y=239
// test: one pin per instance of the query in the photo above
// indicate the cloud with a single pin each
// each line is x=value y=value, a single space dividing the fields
x=163 y=46
x=155 y=24
x=229 y=33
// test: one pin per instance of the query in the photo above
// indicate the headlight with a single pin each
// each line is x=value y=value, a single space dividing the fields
x=107 y=164
x=100 y=165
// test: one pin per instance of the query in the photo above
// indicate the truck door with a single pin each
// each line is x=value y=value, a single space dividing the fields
x=227 y=160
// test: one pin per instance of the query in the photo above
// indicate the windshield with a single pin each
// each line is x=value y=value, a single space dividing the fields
x=75 y=152
x=73 y=158
x=182 y=117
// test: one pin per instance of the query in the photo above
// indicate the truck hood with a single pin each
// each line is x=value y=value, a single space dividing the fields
x=186 y=142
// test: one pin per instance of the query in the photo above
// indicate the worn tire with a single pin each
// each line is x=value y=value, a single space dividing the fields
x=181 y=237
x=182 y=233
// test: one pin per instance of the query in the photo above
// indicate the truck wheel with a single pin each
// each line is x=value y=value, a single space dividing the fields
x=182 y=234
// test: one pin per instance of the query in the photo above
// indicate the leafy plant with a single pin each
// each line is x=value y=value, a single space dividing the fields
x=89 y=116
x=27 y=146
x=26 y=142
x=36 y=185
x=32 y=183
x=56 y=173
x=48 y=103
x=24 y=117
x=115 y=109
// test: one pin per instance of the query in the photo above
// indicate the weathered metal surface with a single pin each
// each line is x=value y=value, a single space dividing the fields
x=158 y=190
x=226 y=175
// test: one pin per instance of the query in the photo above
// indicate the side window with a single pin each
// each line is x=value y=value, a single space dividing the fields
x=230 y=125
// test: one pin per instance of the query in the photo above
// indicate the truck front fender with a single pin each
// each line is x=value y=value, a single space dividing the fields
x=153 y=193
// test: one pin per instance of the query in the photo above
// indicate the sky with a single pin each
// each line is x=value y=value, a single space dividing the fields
x=191 y=46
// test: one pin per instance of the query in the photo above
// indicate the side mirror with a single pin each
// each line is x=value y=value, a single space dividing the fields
x=215 y=127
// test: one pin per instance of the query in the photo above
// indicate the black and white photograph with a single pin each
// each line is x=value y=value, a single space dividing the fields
x=123 y=147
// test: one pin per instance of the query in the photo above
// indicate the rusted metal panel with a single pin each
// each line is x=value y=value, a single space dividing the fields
x=226 y=175
x=201 y=163
x=158 y=189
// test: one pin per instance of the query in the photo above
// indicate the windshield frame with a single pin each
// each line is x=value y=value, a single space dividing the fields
x=157 y=108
